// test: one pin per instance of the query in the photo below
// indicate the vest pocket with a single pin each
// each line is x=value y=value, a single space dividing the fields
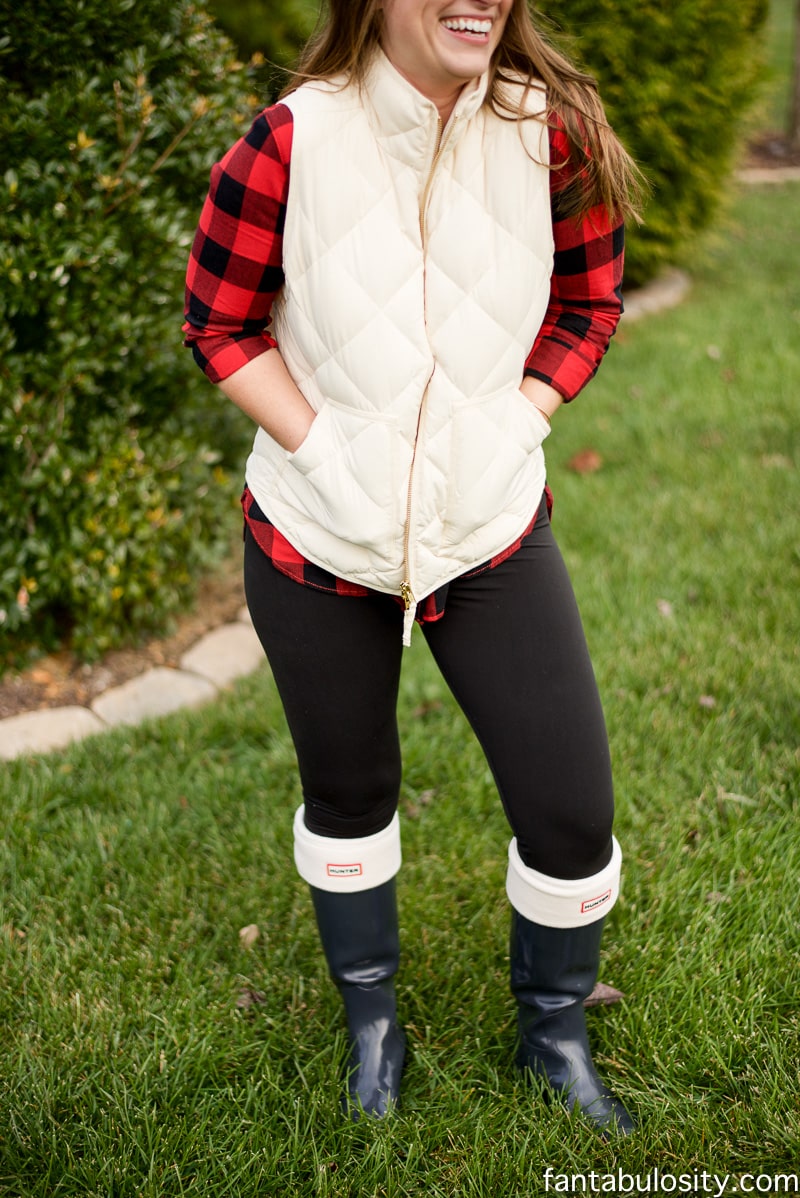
x=493 y=439
x=342 y=477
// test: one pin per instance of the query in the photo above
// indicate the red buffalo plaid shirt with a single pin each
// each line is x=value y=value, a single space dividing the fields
x=235 y=271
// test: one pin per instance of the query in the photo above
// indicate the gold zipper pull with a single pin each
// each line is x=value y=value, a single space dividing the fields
x=410 y=605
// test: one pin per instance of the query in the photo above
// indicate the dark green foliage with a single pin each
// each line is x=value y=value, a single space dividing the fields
x=267 y=29
x=676 y=80
x=111 y=113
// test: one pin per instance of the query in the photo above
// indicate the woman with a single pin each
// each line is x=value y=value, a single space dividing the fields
x=400 y=274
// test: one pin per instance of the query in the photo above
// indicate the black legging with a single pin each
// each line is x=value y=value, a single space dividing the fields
x=510 y=646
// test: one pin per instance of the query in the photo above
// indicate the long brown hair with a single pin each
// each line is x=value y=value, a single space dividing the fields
x=602 y=170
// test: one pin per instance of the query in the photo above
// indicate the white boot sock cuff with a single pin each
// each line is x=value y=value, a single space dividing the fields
x=344 y=866
x=560 y=902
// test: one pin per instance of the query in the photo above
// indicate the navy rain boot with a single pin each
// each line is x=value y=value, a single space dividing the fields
x=359 y=935
x=552 y=971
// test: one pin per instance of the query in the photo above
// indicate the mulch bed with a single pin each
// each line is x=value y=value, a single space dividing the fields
x=61 y=680
x=771 y=151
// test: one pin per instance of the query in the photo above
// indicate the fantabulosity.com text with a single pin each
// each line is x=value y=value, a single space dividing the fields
x=657 y=1182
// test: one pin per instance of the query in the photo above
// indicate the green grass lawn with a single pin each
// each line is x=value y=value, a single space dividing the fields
x=130 y=863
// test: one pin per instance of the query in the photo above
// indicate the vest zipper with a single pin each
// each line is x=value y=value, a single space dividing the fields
x=423 y=205
x=409 y=602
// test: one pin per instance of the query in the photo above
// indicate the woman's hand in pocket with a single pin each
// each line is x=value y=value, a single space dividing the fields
x=542 y=396
x=267 y=393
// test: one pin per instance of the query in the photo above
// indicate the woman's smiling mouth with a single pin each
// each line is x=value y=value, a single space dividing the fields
x=470 y=27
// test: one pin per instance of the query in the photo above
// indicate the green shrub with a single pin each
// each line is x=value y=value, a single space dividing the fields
x=111 y=113
x=677 y=80
x=271 y=31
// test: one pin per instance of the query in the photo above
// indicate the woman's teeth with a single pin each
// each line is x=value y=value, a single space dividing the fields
x=467 y=25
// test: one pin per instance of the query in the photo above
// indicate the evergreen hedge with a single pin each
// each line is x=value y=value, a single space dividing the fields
x=114 y=488
x=677 y=80
x=270 y=32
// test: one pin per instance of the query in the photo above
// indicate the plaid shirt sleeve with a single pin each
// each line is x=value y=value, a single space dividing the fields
x=586 y=290
x=235 y=269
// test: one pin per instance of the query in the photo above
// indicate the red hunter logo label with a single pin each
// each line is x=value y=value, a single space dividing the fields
x=344 y=871
x=593 y=903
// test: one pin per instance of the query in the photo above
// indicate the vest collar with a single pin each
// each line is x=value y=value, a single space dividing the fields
x=406 y=123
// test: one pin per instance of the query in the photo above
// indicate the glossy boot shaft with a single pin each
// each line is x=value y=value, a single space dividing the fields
x=359 y=936
x=552 y=971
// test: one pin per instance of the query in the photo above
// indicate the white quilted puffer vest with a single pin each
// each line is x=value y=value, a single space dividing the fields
x=417 y=266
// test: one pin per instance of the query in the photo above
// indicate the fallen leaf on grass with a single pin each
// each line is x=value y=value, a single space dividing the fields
x=424 y=799
x=249 y=935
x=587 y=461
x=250 y=998
x=603 y=996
